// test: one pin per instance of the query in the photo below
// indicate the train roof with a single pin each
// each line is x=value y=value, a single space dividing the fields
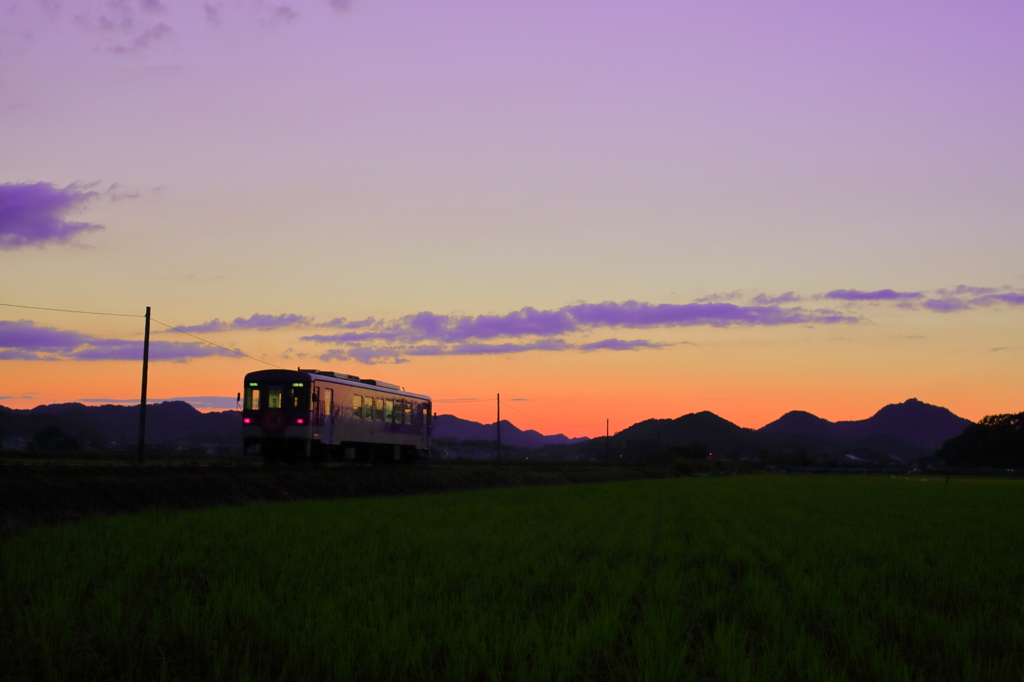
x=337 y=378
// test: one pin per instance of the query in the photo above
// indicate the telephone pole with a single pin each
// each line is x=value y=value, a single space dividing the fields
x=607 y=461
x=498 y=424
x=145 y=380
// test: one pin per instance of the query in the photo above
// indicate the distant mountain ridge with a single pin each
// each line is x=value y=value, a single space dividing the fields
x=450 y=426
x=171 y=424
x=906 y=431
x=917 y=422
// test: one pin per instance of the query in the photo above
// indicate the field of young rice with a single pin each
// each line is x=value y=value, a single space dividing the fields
x=732 y=578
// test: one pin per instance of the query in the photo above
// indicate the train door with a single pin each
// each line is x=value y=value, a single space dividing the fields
x=328 y=428
x=317 y=412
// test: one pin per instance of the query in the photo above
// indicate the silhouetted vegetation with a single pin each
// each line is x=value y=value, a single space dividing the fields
x=995 y=441
x=52 y=437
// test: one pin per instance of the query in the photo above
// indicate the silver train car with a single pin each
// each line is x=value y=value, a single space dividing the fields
x=314 y=415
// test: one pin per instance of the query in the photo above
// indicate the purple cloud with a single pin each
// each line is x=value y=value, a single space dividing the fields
x=788 y=297
x=880 y=295
x=257 y=321
x=1011 y=298
x=945 y=305
x=343 y=323
x=378 y=354
x=23 y=340
x=354 y=337
x=635 y=314
x=35 y=214
x=143 y=40
x=618 y=344
x=963 y=290
x=427 y=326
x=25 y=336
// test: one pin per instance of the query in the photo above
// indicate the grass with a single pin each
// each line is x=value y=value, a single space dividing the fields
x=732 y=578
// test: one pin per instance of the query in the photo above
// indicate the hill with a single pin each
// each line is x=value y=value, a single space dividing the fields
x=450 y=426
x=912 y=421
x=168 y=424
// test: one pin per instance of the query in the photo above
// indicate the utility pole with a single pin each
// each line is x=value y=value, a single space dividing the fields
x=498 y=424
x=607 y=461
x=145 y=380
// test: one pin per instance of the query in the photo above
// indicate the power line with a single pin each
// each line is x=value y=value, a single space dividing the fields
x=463 y=400
x=230 y=350
x=570 y=426
x=61 y=310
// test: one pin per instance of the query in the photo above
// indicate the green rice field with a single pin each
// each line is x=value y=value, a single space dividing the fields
x=704 y=578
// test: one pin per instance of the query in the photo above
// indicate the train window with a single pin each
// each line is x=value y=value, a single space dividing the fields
x=378 y=409
x=274 y=397
x=407 y=415
x=328 y=401
x=252 y=398
x=389 y=410
x=367 y=408
x=357 y=407
x=299 y=396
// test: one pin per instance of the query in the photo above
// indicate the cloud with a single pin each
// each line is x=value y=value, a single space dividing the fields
x=343 y=323
x=788 y=297
x=257 y=321
x=431 y=334
x=945 y=305
x=635 y=314
x=23 y=340
x=35 y=214
x=144 y=39
x=880 y=295
x=395 y=354
x=618 y=344
x=428 y=326
x=989 y=299
x=963 y=290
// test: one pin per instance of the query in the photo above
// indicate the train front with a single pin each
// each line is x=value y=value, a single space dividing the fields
x=276 y=414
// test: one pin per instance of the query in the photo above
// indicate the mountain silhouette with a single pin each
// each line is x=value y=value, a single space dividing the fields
x=707 y=428
x=927 y=426
x=450 y=426
x=170 y=424
x=799 y=421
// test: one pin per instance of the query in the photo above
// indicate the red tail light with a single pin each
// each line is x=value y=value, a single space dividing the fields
x=300 y=420
x=246 y=420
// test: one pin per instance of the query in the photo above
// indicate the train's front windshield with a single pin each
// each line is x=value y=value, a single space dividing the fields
x=276 y=396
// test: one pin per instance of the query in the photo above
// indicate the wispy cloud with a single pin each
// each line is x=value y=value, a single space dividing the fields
x=946 y=305
x=428 y=326
x=879 y=295
x=23 y=340
x=257 y=321
x=399 y=353
x=36 y=214
x=135 y=27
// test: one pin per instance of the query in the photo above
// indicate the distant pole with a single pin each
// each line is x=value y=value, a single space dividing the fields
x=145 y=380
x=498 y=424
x=606 y=458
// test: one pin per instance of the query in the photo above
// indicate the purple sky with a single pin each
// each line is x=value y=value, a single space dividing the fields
x=466 y=182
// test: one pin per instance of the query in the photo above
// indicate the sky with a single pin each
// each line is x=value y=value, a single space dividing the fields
x=600 y=210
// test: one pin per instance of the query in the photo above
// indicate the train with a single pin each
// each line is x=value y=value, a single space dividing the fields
x=315 y=415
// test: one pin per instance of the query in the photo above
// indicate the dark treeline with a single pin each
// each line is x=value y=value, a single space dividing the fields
x=995 y=441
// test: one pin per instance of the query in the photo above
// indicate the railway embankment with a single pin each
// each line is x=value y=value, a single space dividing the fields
x=33 y=495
